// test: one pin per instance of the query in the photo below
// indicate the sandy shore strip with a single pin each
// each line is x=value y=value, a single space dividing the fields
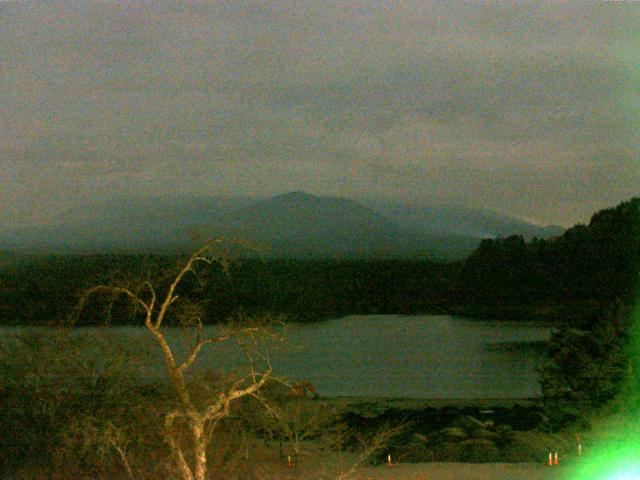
x=463 y=471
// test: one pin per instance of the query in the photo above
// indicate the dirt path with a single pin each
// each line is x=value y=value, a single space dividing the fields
x=463 y=471
x=331 y=466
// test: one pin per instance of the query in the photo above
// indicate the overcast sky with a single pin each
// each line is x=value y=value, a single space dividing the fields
x=528 y=108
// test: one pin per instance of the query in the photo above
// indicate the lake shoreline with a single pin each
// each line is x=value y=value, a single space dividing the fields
x=424 y=357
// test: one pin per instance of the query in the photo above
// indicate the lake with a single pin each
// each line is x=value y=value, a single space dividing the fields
x=393 y=356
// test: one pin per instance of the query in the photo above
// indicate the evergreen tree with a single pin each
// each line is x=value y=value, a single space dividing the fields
x=589 y=364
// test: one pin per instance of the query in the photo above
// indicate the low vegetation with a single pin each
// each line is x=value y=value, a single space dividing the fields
x=76 y=407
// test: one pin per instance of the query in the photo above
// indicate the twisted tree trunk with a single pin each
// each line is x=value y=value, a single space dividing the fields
x=199 y=422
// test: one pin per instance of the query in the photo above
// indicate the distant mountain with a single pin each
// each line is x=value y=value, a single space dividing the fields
x=295 y=224
x=124 y=224
x=300 y=224
x=149 y=211
x=456 y=220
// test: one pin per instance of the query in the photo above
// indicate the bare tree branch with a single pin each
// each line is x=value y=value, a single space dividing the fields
x=200 y=422
x=379 y=441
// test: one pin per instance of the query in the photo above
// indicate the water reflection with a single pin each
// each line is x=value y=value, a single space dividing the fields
x=379 y=356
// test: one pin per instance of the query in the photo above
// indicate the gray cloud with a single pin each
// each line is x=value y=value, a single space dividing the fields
x=531 y=109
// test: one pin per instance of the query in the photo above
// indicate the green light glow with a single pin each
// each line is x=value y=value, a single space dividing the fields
x=626 y=474
x=619 y=457
x=612 y=462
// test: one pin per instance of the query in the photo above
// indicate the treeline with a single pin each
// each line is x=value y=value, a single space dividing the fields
x=587 y=267
x=588 y=280
x=48 y=289
x=597 y=263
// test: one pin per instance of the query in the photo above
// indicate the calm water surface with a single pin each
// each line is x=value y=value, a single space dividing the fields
x=384 y=356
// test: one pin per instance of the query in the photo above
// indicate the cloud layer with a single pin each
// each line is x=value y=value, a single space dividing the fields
x=531 y=109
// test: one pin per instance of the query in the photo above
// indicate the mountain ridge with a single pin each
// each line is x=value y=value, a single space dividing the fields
x=296 y=224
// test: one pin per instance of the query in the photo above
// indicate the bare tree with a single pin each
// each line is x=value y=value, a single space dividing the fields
x=200 y=419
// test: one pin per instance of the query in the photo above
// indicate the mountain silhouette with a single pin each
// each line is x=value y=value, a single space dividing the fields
x=294 y=224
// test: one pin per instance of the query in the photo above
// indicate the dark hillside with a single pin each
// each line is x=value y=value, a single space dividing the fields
x=45 y=289
x=596 y=262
